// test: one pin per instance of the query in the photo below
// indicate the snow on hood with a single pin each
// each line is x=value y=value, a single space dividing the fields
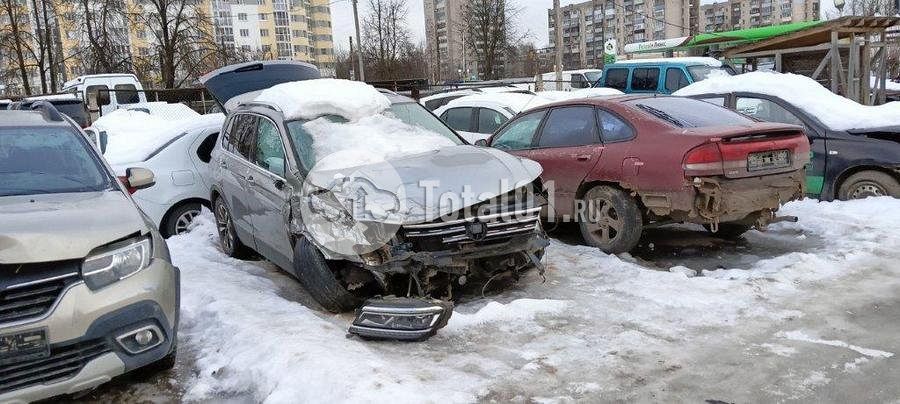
x=133 y=135
x=309 y=99
x=834 y=111
x=368 y=140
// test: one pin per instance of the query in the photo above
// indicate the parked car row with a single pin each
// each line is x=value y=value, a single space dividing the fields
x=371 y=201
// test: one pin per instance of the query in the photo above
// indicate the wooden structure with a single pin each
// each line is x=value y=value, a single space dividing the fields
x=844 y=52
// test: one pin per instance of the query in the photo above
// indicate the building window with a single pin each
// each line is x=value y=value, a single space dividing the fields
x=242 y=16
x=264 y=32
x=245 y=32
x=263 y=16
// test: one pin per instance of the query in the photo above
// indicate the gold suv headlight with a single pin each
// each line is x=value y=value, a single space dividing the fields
x=117 y=261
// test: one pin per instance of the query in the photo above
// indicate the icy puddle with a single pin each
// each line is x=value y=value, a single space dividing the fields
x=601 y=328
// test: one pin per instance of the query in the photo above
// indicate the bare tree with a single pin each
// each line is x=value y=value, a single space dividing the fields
x=386 y=38
x=103 y=34
x=16 y=39
x=487 y=29
x=182 y=43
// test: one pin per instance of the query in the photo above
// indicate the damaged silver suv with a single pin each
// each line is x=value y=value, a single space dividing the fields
x=87 y=289
x=413 y=224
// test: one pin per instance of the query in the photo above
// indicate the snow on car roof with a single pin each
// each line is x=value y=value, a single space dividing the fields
x=834 y=111
x=309 y=99
x=556 y=95
x=514 y=101
x=695 y=60
x=133 y=134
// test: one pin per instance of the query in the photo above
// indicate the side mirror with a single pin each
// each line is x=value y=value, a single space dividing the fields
x=139 y=178
x=481 y=142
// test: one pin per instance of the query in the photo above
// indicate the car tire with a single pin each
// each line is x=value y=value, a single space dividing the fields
x=318 y=278
x=729 y=231
x=616 y=222
x=178 y=220
x=228 y=239
x=868 y=183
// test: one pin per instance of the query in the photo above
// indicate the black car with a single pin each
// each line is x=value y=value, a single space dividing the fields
x=68 y=104
x=845 y=164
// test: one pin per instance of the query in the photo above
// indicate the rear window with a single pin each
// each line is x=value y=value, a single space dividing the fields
x=688 y=112
x=617 y=78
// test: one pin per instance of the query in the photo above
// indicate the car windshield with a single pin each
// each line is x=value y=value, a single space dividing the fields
x=48 y=161
x=702 y=72
x=410 y=113
x=688 y=112
x=592 y=77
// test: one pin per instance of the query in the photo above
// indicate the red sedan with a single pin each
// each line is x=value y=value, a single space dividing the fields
x=618 y=165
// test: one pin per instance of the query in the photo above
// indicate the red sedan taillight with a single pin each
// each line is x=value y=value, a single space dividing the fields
x=738 y=157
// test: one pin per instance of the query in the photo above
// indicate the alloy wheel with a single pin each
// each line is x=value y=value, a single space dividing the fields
x=224 y=226
x=184 y=221
x=603 y=221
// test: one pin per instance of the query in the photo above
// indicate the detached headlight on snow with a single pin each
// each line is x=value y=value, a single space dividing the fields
x=405 y=319
x=116 y=261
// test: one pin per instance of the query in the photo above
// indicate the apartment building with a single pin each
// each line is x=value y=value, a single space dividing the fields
x=254 y=29
x=277 y=29
x=741 y=14
x=447 y=56
x=587 y=25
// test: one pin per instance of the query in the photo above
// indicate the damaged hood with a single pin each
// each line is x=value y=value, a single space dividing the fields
x=55 y=227
x=422 y=187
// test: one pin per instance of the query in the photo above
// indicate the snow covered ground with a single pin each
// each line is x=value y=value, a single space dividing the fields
x=806 y=311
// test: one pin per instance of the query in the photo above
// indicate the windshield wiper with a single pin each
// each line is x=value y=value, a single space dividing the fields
x=661 y=114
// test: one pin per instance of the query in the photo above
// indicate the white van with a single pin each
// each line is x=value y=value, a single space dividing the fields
x=572 y=79
x=124 y=89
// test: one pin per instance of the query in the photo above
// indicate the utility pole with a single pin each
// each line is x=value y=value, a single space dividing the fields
x=352 y=73
x=559 y=44
x=359 y=57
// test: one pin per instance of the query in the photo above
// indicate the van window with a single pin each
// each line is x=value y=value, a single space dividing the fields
x=578 y=81
x=95 y=93
x=675 y=79
x=645 y=79
x=617 y=78
x=126 y=94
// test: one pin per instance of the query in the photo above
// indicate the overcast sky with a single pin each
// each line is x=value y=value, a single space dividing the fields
x=531 y=20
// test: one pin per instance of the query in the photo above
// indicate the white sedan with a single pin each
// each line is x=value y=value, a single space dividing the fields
x=478 y=116
x=178 y=153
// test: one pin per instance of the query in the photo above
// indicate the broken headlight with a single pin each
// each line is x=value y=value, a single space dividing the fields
x=400 y=318
x=116 y=261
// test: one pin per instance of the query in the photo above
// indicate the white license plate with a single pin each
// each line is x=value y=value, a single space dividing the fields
x=768 y=160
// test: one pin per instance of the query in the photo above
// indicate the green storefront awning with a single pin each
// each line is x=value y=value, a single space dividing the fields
x=720 y=38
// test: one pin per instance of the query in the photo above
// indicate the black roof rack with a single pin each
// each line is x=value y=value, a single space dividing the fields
x=46 y=109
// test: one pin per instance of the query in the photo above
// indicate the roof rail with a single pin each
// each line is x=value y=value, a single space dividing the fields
x=386 y=91
x=268 y=105
x=46 y=109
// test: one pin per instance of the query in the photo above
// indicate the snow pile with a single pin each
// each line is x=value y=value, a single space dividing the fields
x=834 y=111
x=513 y=314
x=133 y=135
x=890 y=85
x=169 y=111
x=368 y=140
x=309 y=99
